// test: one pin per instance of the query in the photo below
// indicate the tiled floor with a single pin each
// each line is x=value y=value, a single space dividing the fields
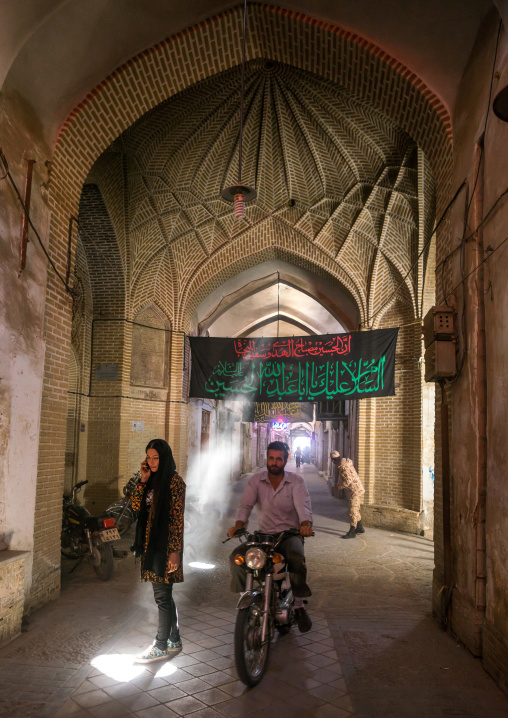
x=304 y=675
x=373 y=652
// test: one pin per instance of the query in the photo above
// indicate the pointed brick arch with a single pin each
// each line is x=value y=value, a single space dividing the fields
x=282 y=35
x=141 y=84
x=252 y=249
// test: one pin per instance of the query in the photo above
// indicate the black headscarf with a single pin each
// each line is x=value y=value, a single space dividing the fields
x=155 y=557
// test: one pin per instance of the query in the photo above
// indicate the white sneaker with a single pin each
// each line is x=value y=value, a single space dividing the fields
x=151 y=655
x=174 y=646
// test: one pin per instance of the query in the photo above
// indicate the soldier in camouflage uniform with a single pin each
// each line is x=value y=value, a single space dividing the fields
x=350 y=481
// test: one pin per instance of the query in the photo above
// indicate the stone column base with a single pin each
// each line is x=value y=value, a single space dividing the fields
x=495 y=654
x=12 y=595
x=397 y=519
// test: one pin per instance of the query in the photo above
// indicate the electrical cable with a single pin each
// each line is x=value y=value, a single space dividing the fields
x=278 y=302
x=6 y=166
x=463 y=340
x=477 y=267
x=470 y=236
x=27 y=215
x=410 y=324
x=124 y=396
x=137 y=324
x=484 y=125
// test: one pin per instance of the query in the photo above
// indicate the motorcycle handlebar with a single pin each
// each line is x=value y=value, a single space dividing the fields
x=77 y=488
x=244 y=532
x=238 y=533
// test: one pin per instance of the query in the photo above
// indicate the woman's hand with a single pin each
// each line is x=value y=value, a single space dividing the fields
x=174 y=561
x=145 y=472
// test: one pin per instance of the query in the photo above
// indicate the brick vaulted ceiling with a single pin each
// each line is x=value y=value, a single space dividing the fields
x=327 y=167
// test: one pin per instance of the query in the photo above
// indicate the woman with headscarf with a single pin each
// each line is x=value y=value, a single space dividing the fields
x=160 y=500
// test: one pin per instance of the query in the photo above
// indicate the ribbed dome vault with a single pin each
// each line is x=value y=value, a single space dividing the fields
x=326 y=164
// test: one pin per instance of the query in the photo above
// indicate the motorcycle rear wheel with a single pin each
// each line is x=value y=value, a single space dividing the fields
x=127 y=519
x=103 y=562
x=67 y=547
x=284 y=629
x=251 y=658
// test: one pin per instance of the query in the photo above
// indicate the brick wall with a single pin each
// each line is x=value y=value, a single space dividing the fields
x=389 y=431
x=129 y=267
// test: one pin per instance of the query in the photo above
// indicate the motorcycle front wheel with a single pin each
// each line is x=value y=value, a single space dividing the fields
x=102 y=561
x=251 y=657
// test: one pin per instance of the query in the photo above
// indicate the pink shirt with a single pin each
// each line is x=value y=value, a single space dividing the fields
x=278 y=510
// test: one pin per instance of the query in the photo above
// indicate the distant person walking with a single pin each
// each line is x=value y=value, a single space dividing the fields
x=350 y=481
x=298 y=457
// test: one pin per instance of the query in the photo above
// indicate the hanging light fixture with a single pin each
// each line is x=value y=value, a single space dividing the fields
x=239 y=194
x=278 y=301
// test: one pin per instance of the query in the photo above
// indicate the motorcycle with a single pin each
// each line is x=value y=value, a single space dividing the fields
x=89 y=537
x=122 y=510
x=266 y=606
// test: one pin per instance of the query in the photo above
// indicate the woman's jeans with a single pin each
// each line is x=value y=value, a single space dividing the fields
x=168 y=615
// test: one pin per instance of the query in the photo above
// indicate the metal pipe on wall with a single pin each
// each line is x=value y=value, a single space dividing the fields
x=446 y=508
x=26 y=215
x=478 y=294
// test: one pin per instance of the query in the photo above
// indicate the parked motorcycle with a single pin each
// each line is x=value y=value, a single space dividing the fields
x=266 y=606
x=89 y=537
x=122 y=510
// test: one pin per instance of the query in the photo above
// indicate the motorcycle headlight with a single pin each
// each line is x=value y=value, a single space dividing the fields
x=255 y=558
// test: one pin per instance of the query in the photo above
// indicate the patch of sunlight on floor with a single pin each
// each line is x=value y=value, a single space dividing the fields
x=120 y=667
x=166 y=670
x=200 y=564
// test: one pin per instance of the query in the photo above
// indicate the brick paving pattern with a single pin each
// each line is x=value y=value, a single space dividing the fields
x=373 y=651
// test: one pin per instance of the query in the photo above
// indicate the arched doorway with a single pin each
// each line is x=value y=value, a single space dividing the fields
x=215 y=254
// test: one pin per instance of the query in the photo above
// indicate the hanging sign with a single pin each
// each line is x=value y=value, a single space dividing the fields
x=279 y=426
x=311 y=368
x=294 y=433
x=281 y=411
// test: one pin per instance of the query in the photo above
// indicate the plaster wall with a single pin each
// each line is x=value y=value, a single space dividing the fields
x=495 y=650
x=480 y=542
x=22 y=342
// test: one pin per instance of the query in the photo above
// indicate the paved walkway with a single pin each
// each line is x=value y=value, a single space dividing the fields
x=373 y=651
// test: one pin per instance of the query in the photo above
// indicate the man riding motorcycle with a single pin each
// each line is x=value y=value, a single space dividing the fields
x=283 y=502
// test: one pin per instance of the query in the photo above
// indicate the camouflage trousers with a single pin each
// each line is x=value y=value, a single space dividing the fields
x=354 y=508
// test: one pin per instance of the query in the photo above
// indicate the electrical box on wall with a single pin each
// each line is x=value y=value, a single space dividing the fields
x=440 y=339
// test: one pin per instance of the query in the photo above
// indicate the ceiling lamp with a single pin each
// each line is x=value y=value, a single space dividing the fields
x=239 y=194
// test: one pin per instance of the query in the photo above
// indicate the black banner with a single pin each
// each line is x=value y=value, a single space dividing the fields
x=283 y=412
x=311 y=368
